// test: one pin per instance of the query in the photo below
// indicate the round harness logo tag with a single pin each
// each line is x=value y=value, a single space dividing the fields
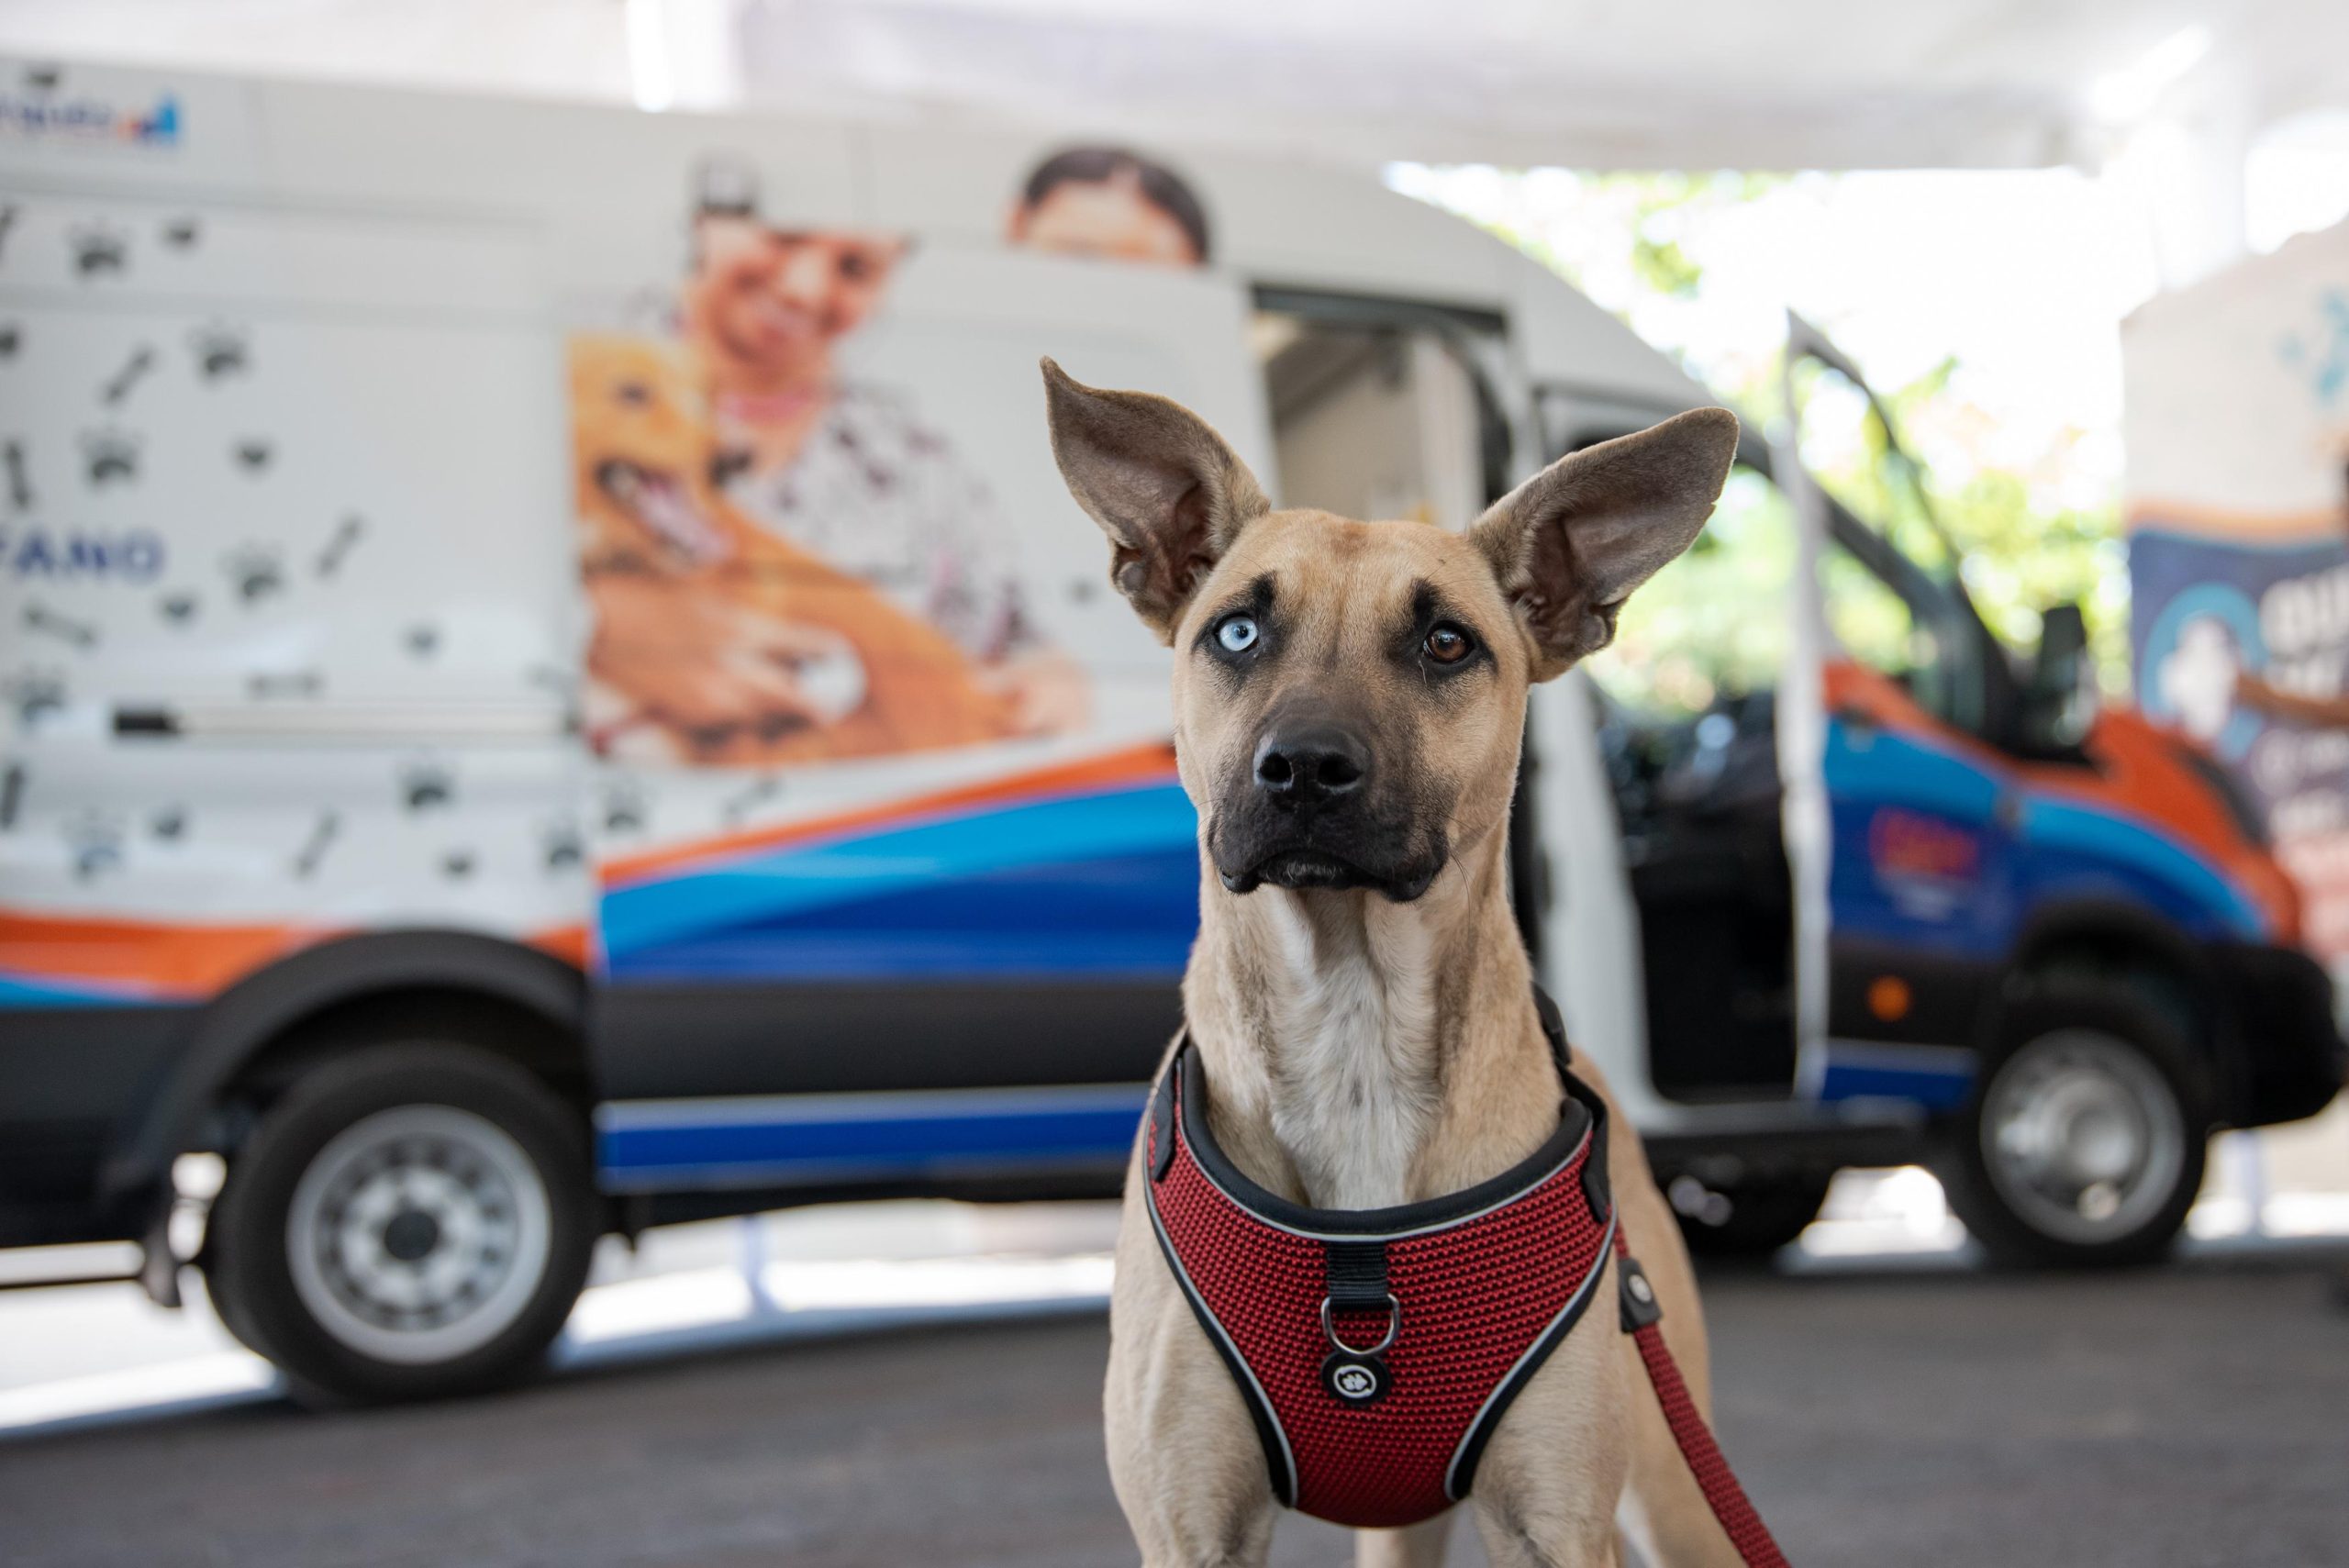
x=1355 y=1379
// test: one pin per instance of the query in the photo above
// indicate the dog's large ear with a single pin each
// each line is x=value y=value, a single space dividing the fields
x=1571 y=543
x=1164 y=487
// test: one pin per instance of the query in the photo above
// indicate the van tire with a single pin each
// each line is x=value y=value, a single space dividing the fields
x=2089 y=1101
x=222 y=1292
x=408 y=1221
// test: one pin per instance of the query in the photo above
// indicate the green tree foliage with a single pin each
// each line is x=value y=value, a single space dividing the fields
x=1717 y=622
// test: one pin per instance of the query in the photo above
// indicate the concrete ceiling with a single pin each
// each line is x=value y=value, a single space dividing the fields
x=1790 y=84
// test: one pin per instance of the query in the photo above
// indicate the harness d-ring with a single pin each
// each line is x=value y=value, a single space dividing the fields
x=1394 y=1323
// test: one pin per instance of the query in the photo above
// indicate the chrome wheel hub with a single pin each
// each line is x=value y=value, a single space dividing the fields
x=2082 y=1136
x=418 y=1234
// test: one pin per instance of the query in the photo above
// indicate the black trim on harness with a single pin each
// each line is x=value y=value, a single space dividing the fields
x=1461 y=1474
x=1279 y=1465
x=1554 y=1028
x=1579 y=1110
x=1596 y=1189
x=1161 y=1129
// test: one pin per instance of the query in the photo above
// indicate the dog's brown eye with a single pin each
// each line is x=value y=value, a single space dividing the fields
x=1447 y=645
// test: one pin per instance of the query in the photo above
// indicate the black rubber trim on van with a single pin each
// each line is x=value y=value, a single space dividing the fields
x=226 y=1031
x=702 y=1040
x=2289 y=1059
x=70 y=1078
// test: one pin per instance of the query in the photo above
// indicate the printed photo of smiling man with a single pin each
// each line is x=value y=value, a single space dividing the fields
x=819 y=465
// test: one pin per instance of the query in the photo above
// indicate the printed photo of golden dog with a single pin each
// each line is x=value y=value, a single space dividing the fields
x=695 y=604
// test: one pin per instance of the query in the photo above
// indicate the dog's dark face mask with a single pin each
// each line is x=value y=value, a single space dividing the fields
x=1348 y=696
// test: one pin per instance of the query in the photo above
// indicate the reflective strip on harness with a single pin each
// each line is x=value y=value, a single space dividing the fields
x=1436 y=1314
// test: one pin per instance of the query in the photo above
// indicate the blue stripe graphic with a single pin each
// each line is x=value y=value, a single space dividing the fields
x=789 y=880
x=1873 y=765
x=646 y=1146
x=1101 y=884
x=1933 y=1090
x=2164 y=872
x=23 y=993
x=1937 y=1077
x=2058 y=848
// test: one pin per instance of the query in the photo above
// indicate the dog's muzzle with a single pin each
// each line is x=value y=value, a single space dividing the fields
x=1311 y=814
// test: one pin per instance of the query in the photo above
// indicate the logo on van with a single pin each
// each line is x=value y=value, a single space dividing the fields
x=49 y=117
x=1925 y=864
x=72 y=555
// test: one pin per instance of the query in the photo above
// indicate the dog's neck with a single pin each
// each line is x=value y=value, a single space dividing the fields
x=1361 y=1052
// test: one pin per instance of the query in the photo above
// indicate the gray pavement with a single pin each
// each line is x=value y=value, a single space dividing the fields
x=1882 y=1415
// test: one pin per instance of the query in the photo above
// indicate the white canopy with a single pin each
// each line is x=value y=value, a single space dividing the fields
x=1696 y=83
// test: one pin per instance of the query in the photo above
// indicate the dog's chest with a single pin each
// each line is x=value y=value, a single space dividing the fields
x=1357 y=1091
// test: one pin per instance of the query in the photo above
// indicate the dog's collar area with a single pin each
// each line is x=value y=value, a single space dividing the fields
x=1580 y=1113
x=1377 y=1350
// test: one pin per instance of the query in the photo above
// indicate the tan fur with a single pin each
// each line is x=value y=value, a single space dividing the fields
x=1363 y=1052
x=633 y=402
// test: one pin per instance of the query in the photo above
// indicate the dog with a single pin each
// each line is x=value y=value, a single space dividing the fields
x=869 y=677
x=1349 y=698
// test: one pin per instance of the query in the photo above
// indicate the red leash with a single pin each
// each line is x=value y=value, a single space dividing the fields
x=1641 y=1318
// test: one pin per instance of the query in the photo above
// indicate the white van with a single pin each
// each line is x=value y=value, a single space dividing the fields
x=553 y=686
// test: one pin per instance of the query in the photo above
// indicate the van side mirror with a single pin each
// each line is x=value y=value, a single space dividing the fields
x=2060 y=702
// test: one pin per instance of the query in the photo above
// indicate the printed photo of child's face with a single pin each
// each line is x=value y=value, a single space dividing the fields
x=767 y=295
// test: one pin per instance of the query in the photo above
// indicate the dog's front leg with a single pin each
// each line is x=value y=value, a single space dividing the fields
x=1187 y=1468
x=1184 y=1456
x=1546 y=1490
x=1514 y=1542
x=1416 y=1546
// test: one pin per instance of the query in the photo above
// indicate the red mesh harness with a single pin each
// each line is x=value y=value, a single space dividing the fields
x=1377 y=1349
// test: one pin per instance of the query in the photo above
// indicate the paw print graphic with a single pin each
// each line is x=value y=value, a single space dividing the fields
x=561 y=847
x=625 y=809
x=256 y=572
x=98 y=250
x=35 y=693
x=220 y=350
x=427 y=785
x=95 y=843
x=109 y=457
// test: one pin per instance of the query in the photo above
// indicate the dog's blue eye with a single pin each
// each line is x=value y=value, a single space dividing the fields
x=1237 y=633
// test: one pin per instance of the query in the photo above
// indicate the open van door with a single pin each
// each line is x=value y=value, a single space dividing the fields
x=2050 y=927
x=1903 y=859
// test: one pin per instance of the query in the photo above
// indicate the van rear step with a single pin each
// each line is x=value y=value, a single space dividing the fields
x=1713 y=1142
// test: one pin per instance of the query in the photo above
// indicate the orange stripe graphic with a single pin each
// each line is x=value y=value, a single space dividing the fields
x=161 y=959
x=167 y=961
x=2222 y=524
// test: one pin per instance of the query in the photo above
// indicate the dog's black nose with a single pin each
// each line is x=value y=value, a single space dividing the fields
x=1303 y=767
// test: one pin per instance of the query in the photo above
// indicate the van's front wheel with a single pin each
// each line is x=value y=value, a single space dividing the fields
x=2084 y=1139
x=406 y=1222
